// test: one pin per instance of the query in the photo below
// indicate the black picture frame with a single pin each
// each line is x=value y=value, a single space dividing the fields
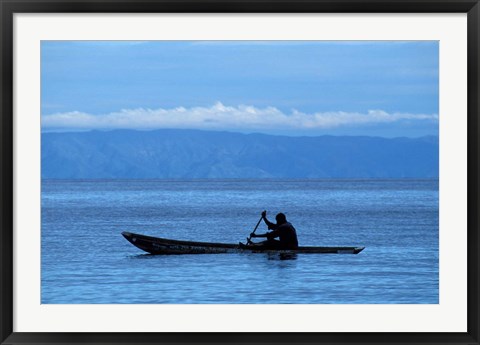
x=9 y=7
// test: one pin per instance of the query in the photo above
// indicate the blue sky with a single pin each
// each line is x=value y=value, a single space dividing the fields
x=377 y=88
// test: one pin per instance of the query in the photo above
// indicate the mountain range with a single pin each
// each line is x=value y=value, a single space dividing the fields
x=177 y=153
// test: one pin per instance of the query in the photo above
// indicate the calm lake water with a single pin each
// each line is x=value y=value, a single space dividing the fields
x=86 y=260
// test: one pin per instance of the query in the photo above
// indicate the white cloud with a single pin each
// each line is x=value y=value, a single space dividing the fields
x=222 y=117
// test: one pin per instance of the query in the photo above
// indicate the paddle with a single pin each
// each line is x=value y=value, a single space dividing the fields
x=256 y=226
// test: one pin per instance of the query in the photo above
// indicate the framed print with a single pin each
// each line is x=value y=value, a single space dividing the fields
x=177 y=172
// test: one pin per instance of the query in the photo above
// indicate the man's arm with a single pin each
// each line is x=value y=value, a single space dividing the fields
x=271 y=226
x=269 y=235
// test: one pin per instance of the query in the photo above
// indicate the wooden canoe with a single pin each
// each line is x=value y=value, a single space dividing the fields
x=163 y=246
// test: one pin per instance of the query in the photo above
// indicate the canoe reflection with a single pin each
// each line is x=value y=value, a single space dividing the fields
x=282 y=256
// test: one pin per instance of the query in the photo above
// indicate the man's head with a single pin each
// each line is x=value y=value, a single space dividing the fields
x=280 y=218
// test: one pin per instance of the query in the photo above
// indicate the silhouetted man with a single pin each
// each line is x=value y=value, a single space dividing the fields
x=287 y=236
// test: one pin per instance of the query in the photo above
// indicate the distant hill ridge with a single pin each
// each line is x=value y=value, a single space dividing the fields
x=176 y=153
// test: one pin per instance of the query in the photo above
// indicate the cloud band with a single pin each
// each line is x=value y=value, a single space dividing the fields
x=221 y=117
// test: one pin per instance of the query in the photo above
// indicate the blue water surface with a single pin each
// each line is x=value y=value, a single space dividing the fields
x=86 y=260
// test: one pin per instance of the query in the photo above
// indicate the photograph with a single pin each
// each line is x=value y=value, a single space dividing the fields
x=239 y=172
